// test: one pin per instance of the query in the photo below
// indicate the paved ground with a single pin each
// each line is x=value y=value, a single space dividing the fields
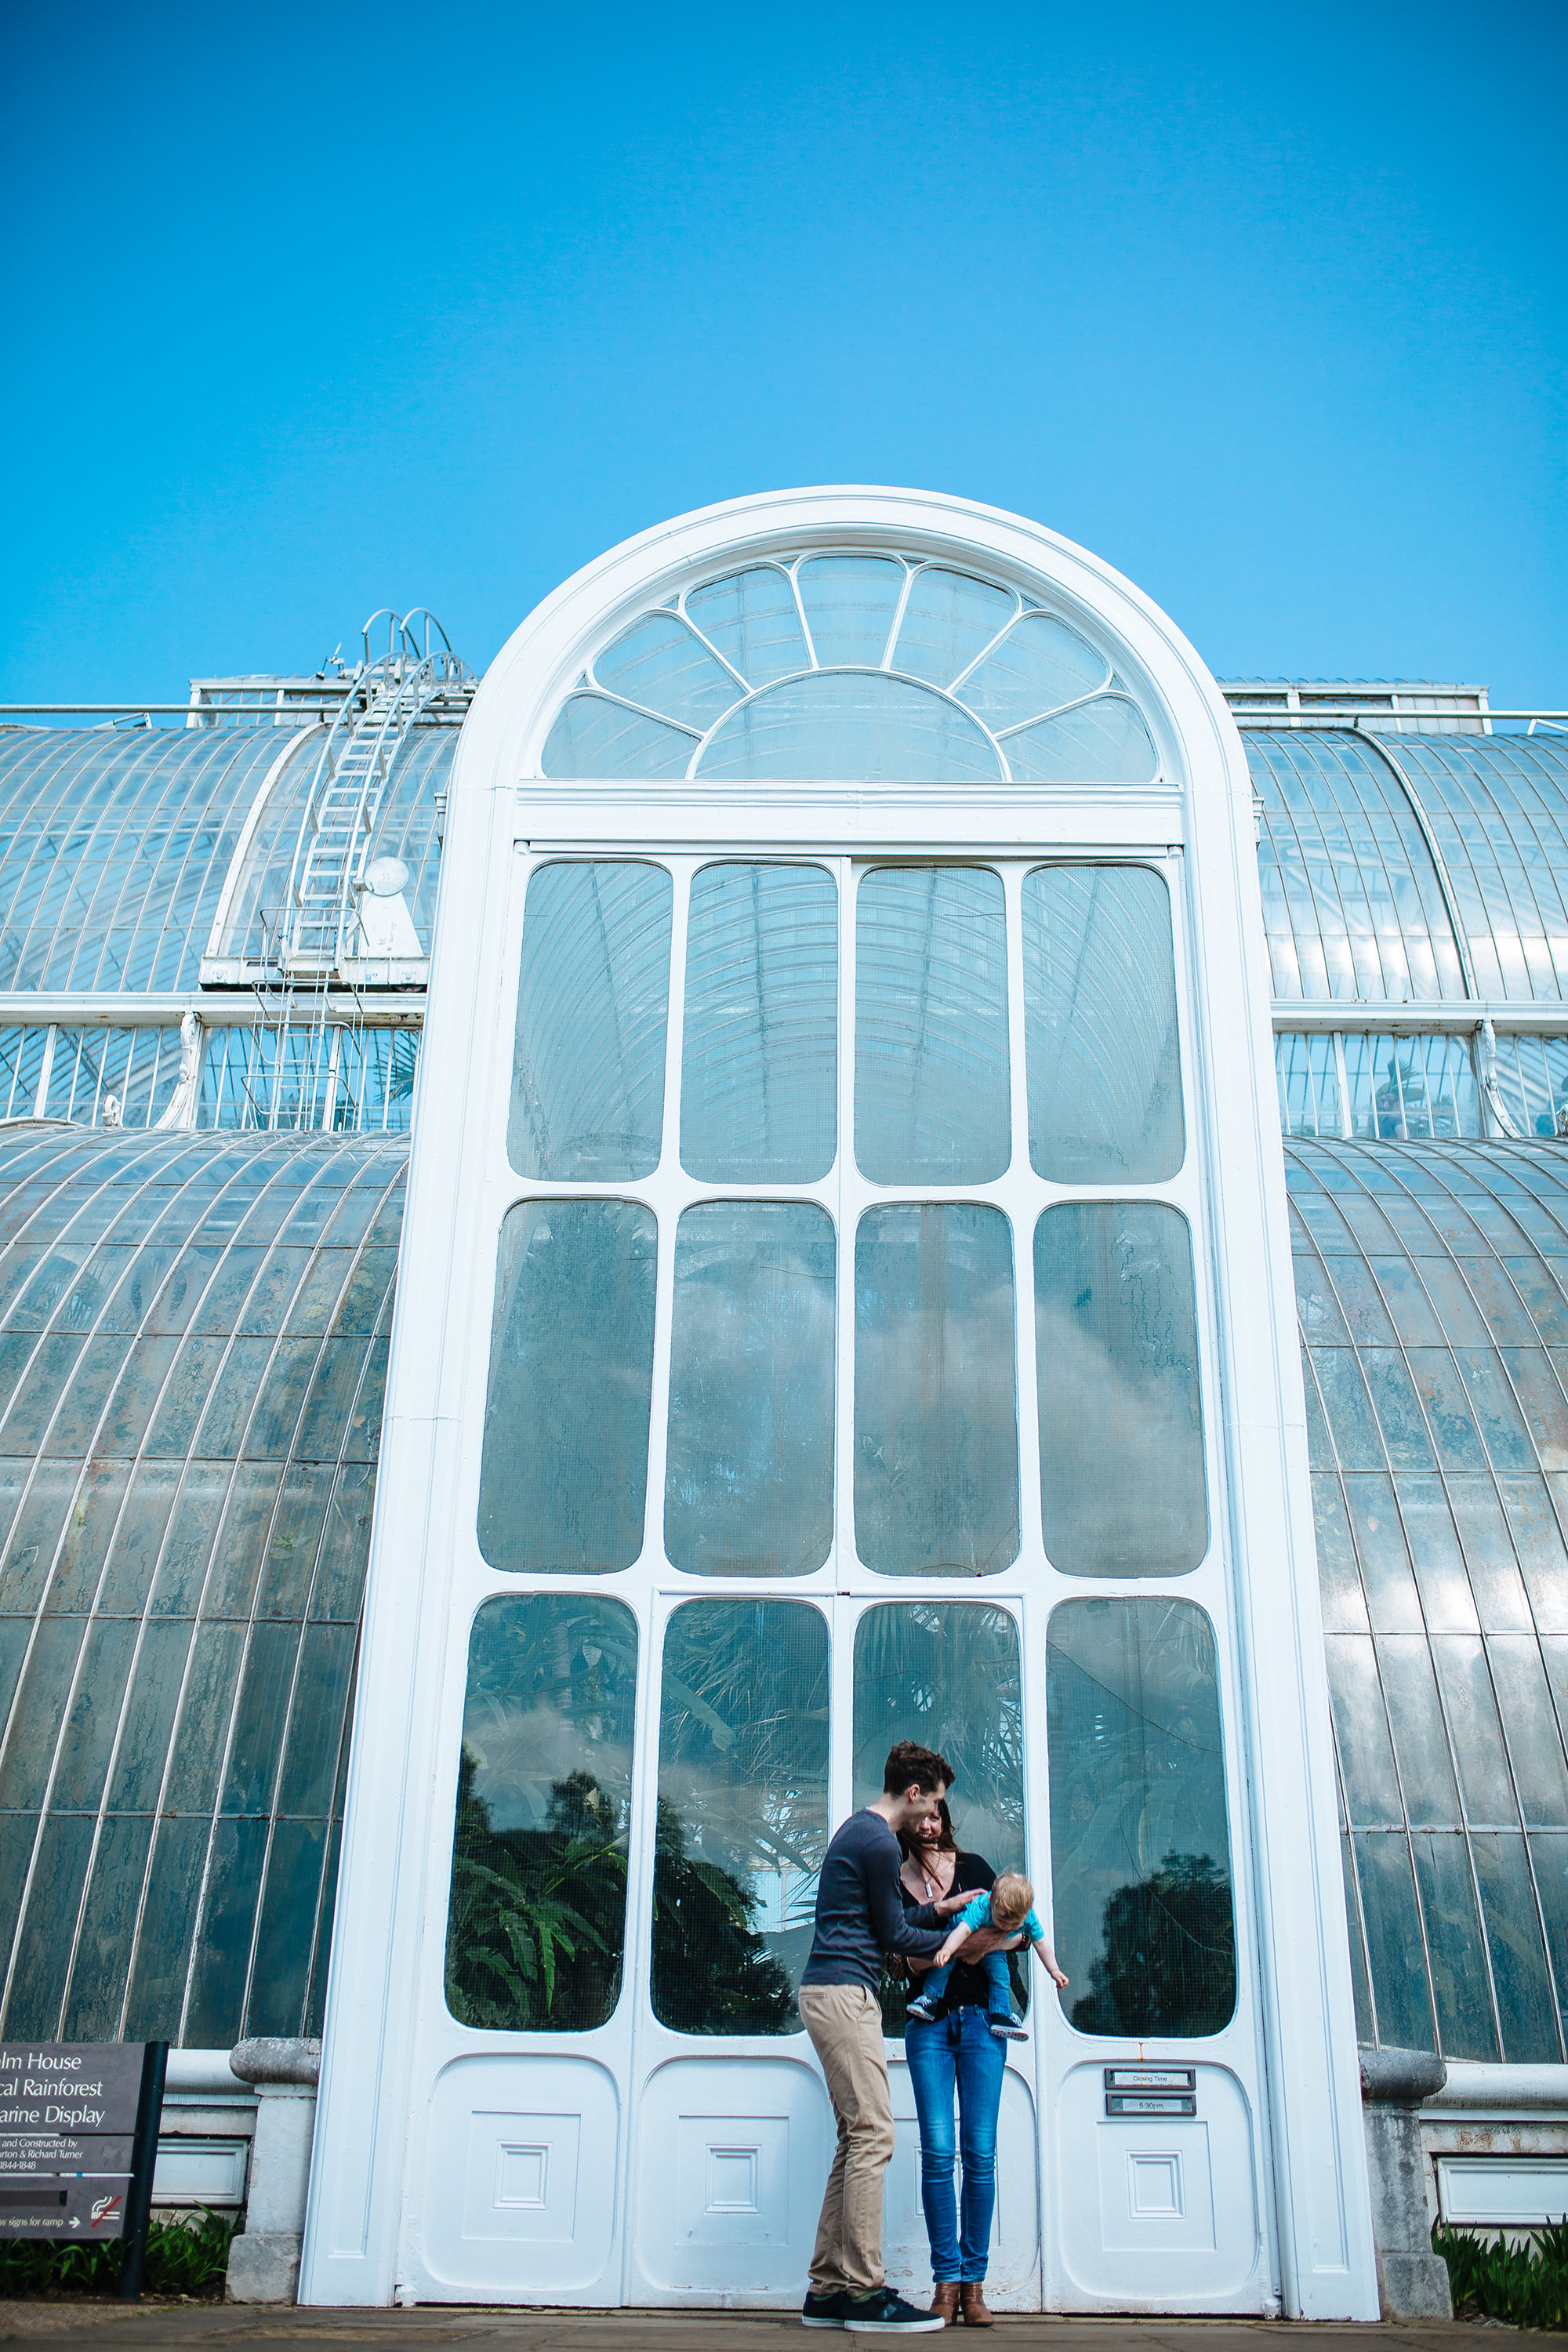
x=149 y=2327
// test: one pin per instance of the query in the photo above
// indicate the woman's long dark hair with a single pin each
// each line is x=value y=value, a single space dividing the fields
x=946 y=1842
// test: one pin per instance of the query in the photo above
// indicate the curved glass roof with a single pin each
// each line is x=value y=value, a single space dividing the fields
x=851 y=667
x=1432 y=1284
x=1367 y=843
x=115 y=848
x=193 y=1344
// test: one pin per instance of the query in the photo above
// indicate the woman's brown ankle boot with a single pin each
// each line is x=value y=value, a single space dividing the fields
x=945 y=2301
x=972 y=2302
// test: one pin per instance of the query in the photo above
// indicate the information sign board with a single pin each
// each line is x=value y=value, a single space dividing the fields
x=67 y=2117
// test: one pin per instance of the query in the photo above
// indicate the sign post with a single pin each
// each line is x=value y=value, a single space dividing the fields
x=79 y=2141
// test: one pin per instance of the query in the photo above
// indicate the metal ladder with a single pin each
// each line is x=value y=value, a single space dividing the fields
x=388 y=693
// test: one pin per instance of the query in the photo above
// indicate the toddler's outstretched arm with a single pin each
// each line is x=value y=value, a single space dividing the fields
x=956 y=1935
x=1047 y=1961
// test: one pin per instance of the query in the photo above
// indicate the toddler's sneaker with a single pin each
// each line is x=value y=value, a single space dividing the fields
x=1005 y=2026
x=925 y=2009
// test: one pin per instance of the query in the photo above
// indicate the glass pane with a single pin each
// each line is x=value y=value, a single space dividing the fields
x=658 y=662
x=1139 y=1843
x=1037 y=667
x=587 y=1080
x=1309 y=1084
x=564 y=1479
x=946 y=1674
x=1550 y=1856
x=536 y=1923
x=1103 y=742
x=849 y=601
x=1527 y=2010
x=1460 y=1993
x=930 y=1026
x=1420 y=1740
x=850 y=726
x=743 y=1814
x=1394 y=1938
x=759 y=1072
x=595 y=737
x=748 y=1488
x=1477 y=1733
x=1534 y=1744
x=751 y=617
x=936 y=1428
x=1360 y=1734
x=1100 y=1010
x=1121 y=1452
x=1364 y=2030
x=947 y=619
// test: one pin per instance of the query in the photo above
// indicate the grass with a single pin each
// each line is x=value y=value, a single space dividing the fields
x=188 y=2257
x=1526 y=2283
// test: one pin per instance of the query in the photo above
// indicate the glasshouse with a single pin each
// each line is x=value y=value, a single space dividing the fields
x=554 y=1231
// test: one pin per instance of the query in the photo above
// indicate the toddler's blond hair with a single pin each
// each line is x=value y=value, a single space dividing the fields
x=1010 y=1896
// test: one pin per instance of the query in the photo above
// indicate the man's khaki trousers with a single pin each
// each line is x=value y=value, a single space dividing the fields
x=845 y=2022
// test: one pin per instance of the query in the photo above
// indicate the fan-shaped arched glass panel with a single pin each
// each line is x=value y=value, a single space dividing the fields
x=1101 y=742
x=849 y=601
x=595 y=737
x=753 y=620
x=948 y=622
x=1038 y=666
x=850 y=726
x=851 y=665
x=660 y=663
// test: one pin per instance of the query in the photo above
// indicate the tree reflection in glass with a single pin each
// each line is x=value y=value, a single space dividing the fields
x=536 y=1922
x=1139 y=1843
x=743 y=1814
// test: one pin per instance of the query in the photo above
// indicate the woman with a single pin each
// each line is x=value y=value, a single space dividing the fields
x=957 y=2050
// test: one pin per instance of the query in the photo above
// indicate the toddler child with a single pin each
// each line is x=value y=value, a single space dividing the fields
x=1009 y=1907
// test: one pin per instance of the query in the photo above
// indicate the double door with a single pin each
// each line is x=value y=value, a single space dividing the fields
x=619 y=2105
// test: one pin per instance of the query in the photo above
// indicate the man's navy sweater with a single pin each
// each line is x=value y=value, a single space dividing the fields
x=860 y=1912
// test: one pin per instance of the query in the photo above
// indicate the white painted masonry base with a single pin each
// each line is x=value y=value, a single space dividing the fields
x=264 y=2259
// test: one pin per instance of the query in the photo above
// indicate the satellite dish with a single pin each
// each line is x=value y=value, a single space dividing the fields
x=385 y=877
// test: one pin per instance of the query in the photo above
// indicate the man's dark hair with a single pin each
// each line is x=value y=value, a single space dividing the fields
x=910 y=1765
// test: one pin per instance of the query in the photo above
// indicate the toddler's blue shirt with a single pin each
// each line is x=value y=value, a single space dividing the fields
x=978 y=1914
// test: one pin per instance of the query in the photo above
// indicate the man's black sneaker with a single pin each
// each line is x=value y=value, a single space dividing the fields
x=825 y=2310
x=889 y=2315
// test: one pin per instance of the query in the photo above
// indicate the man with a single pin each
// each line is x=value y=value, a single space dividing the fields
x=860 y=1915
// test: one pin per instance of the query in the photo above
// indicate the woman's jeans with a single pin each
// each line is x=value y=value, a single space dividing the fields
x=960 y=2049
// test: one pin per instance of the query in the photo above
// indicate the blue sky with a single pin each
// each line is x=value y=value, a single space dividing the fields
x=313 y=310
